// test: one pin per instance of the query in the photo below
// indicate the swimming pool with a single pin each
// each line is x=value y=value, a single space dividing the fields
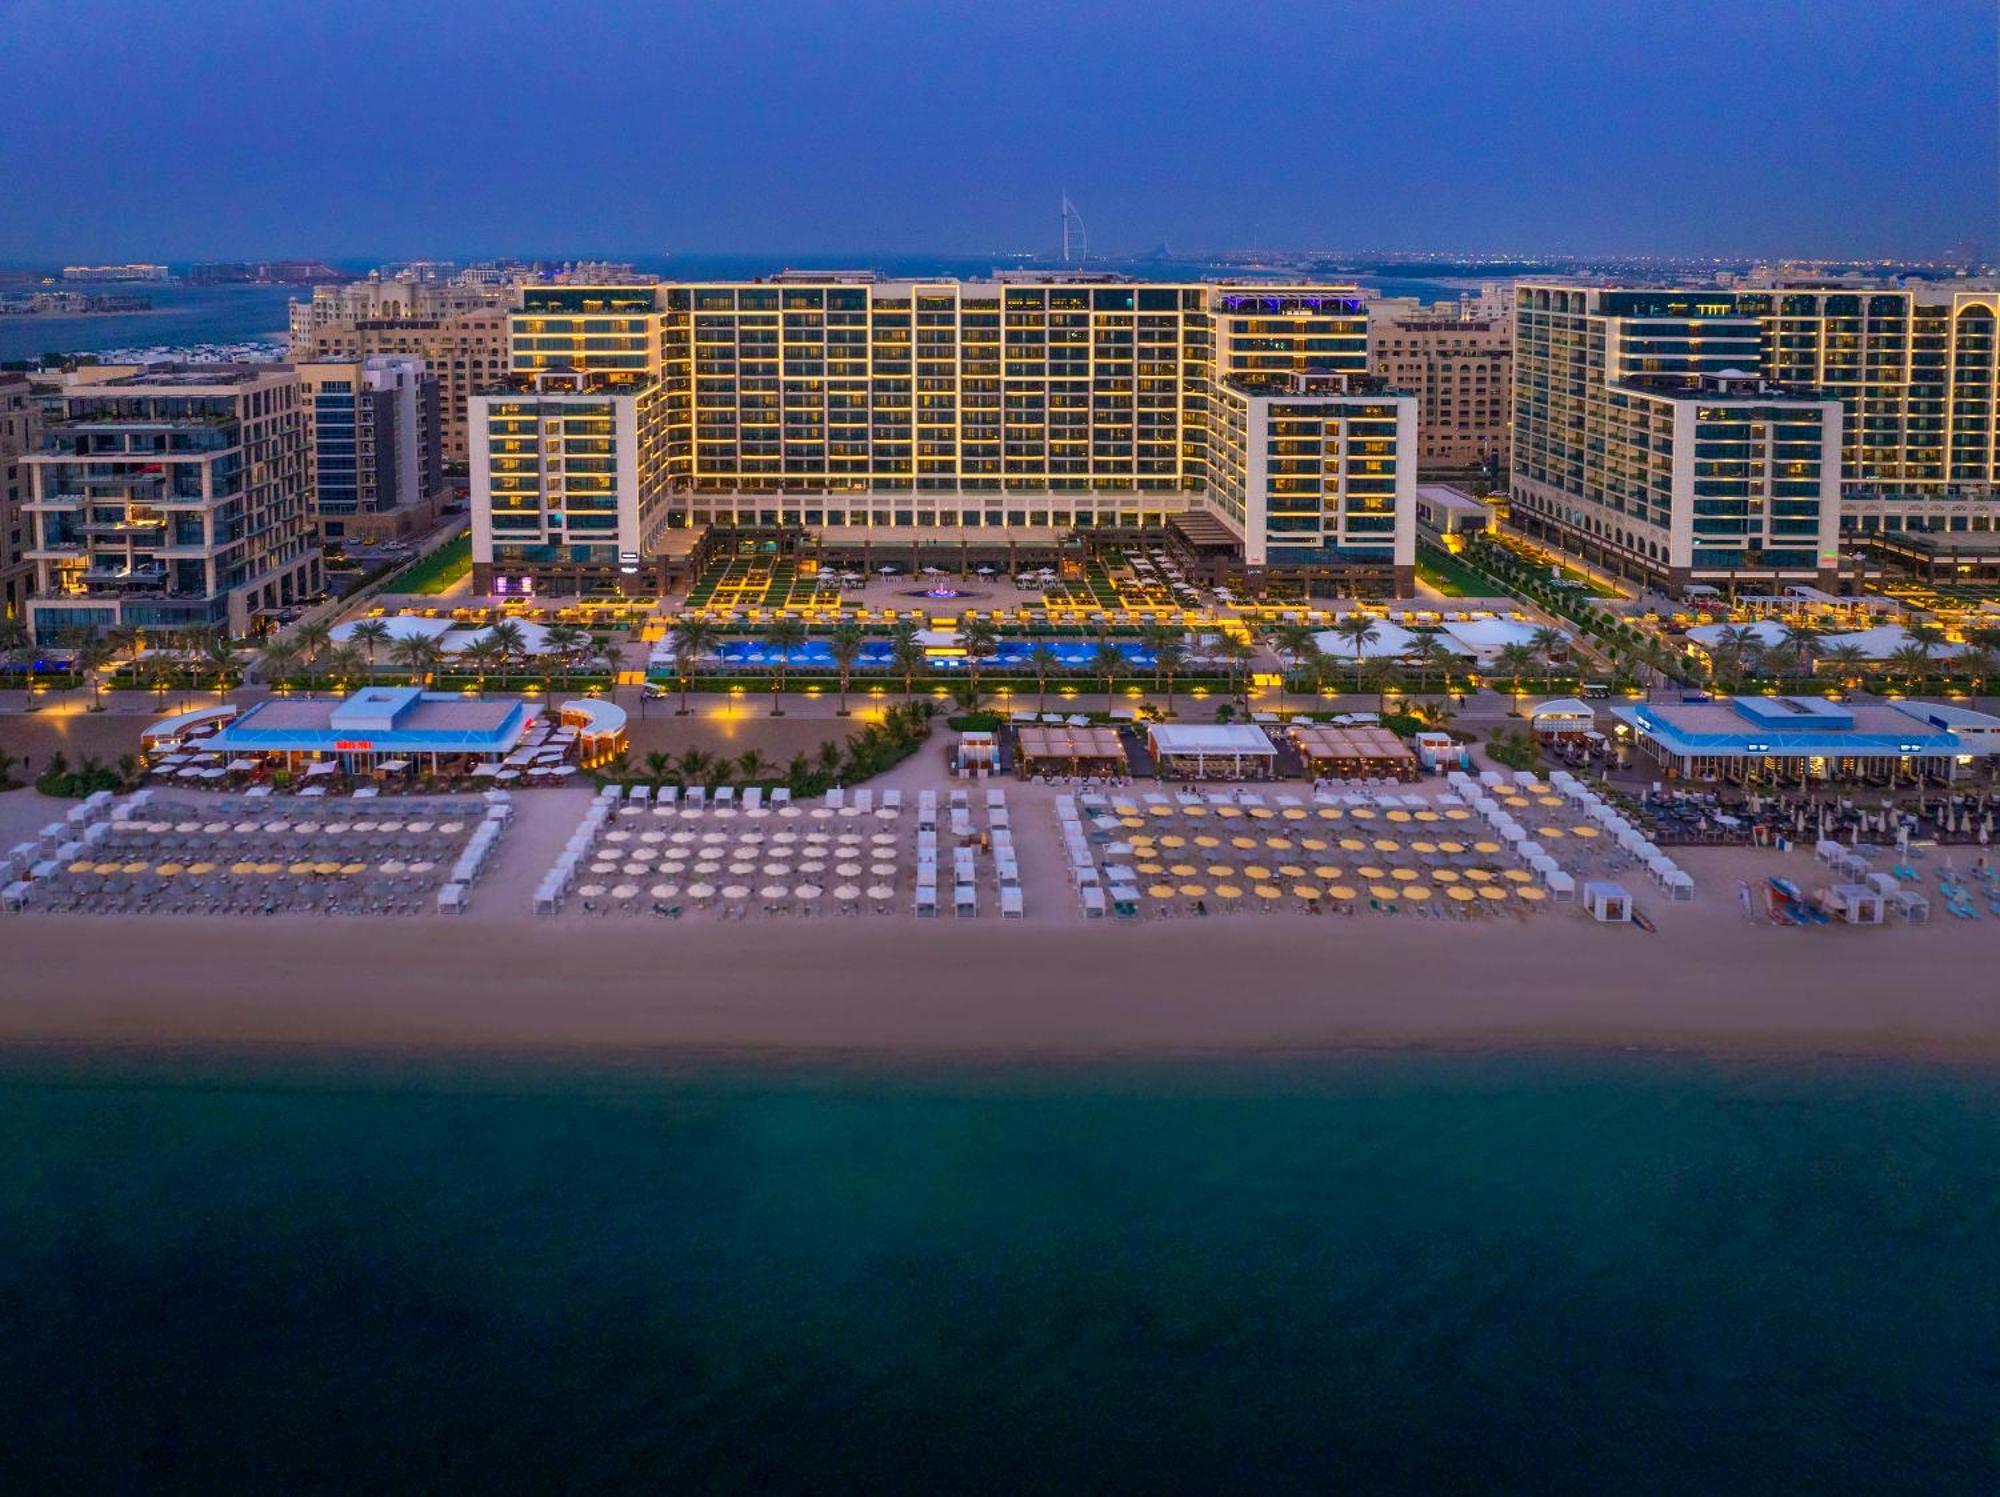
x=877 y=654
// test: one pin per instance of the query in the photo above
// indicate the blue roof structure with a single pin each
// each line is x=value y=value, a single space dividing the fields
x=1811 y=727
x=379 y=719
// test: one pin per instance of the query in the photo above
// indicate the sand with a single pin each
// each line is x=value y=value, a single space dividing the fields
x=1249 y=985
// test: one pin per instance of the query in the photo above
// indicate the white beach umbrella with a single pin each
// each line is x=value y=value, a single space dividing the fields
x=701 y=891
x=846 y=891
x=881 y=891
x=592 y=891
x=665 y=891
x=807 y=891
x=735 y=891
x=848 y=870
x=773 y=891
x=625 y=891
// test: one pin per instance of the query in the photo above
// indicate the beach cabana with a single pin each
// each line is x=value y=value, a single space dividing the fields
x=1354 y=753
x=1608 y=903
x=1561 y=886
x=1201 y=751
x=1562 y=719
x=1854 y=904
x=1071 y=750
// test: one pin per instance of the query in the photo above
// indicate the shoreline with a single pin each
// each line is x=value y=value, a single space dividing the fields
x=638 y=993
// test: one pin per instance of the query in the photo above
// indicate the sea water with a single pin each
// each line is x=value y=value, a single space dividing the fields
x=1437 y=1274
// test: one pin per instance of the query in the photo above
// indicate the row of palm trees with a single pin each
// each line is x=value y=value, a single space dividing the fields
x=1299 y=645
x=1740 y=654
x=695 y=639
x=875 y=748
x=501 y=651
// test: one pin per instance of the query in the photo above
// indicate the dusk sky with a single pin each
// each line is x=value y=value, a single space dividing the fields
x=169 y=129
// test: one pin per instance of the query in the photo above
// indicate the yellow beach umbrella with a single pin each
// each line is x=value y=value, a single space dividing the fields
x=1207 y=841
x=327 y=868
x=1488 y=847
x=136 y=865
x=1290 y=870
x=1451 y=847
x=1460 y=893
x=1340 y=891
x=83 y=868
x=1387 y=844
x=1362 y=813
x=1269 y=891
x=1493 y=891
x=1152 y=868
x=1194 y=810
x=1403 y=875
x=1584 y=831
x=299 y=868
x=1313 y=844
x=1533 y=896
x=1173 y=842
x=1228 y=813
x=1193 y=891
x=1369 y=870
x=1306 y=891
x=353 y=868
x=241 y=869
x=1243 y=842
x=1130 y=821
x=1427 y=816
x=1326 y=870
x=1228 y=891
x=1399 y=815
x=1182 y=870
x=1280 y=844
x=1444 y=875
x=1258 y=813
x=1353 y=844
x=1457 y=813
x=1548 y=833
x=1382 y=891
x=1219 y=870
x=1160 y=891
x=1329 y=813
x=1479 y=875
x=1293 y=813
x=1257 y=870
x=1518 y=876
x=1416 y=891
x=1159 y=810
x=201 y=868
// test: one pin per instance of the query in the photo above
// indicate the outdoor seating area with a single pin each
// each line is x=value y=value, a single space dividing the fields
x=1354 y=753
x=1187 y=854
x=1068 y=749
x=674 y=855
x=1570 y=832
x=157 y=852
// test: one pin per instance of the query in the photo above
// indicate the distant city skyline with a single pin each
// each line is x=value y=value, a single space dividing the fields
x=1836 y=129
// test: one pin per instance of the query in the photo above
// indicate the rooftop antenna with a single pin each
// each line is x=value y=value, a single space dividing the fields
x=1075 y=237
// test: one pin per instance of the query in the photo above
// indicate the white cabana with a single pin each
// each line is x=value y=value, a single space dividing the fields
x=1608 y=903
x=1200 y=750
x=1855 y=904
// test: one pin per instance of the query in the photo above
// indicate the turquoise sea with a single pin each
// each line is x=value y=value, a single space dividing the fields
x=1375 y=1274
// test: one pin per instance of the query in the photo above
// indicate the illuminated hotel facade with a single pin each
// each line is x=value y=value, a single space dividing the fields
x=871 y=412
x=1751 y=485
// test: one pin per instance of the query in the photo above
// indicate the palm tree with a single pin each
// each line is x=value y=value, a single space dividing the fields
x=480 y=657
x=1429 y=653
x=509 y=646
x=845 y=645
x=1548 y=642
x=566 y=642
x=906 y=654
x=92 y=655
x=979 y=638
x=659 y=766
x=371 y=635
x=125 y=639
x=18 y=652
x=312 y=640
x=694 y=638
x=1912 y=662
x=1514 y=661
x=1238 y=655
x=1169 y=655
x=1977 y=666
x=782 y=636
x=1360 y=631
x=1731 y=649
x=693 y=765
x=1799 y=639
x=1044 y=662
x=1107 y=662
x=346 y=662
x=1299 y=645
x=276 y=660
x=754 y=765
x=215 y=654
x=1845 y=661
x=418 y=655
x=1384 y=676
x=828 y=757
x=1155 y=637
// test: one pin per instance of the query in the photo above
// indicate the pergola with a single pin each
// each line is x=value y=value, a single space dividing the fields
x=1076 y=748
x=1352 y=752
x=1225 y=750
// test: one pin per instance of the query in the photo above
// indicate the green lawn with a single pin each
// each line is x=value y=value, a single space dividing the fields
x=1450 y=576
x=435 y=572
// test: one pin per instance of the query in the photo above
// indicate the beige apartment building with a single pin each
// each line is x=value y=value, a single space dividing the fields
x=20 y=428
x=459 y=331
x=1459 y=365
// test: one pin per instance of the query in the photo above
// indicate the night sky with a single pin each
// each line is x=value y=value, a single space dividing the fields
x=179 y=129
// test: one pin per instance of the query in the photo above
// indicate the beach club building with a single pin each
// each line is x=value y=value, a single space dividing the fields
x=1799 y=738
x=380 y=728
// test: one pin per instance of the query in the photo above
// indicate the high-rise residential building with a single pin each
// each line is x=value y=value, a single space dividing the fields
x=20 y=432
x=459 y=331
x=115 y=273
x=875 y=413
x=1913 y=442
x=1460 y=369
x=376 y=460
x=174 y=497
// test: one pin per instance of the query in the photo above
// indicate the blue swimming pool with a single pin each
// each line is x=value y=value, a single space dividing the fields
x=815 y=654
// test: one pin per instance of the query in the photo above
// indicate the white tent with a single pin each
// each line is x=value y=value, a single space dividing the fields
x=1390 y=641
x=1483 y=638
x=1608 y=903
x=1883 y=641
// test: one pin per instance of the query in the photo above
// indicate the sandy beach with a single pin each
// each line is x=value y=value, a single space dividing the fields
x=1243 y=986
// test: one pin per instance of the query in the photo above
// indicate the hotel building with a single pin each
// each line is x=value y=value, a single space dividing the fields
x=174 y=497
x=1914 y=452
x=459 y=331
x=1459 y=365
x=376 y=462
x=20 y=431
x=879 y=417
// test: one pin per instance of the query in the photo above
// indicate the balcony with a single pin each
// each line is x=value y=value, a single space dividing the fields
x=106 y=574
